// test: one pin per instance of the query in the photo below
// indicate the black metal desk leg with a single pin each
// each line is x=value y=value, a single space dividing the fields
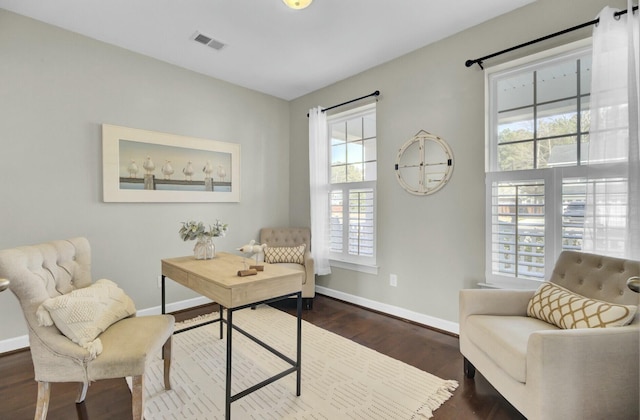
x=299 y=350
x=227 y=405
x=163 y=296
x=221 y=309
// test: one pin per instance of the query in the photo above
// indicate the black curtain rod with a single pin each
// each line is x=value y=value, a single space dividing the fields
x=376 y=93
x=479 y=61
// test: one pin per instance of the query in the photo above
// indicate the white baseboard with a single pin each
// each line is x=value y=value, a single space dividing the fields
x=14 y=343
x=175 y=306
x=441 y=324
x=21 y=342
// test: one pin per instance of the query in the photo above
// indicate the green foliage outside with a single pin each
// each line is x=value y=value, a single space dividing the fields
x=346 y=173
x=553 y=132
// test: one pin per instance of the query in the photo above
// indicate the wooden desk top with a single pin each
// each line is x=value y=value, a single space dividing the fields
x=217 y=279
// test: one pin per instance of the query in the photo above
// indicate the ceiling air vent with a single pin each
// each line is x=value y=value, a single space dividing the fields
x=208 y=41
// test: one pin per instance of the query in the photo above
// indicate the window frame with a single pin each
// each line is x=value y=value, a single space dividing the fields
x=555 y=54
x=552 y=177
x=345 y=260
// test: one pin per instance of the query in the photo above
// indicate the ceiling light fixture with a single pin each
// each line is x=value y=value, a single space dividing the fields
x=297 y=4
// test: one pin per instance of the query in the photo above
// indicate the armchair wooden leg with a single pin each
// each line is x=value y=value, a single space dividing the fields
x=82 y=393
x=469 y=369
x=137 y=397
x=42 y=406
x=166 y=355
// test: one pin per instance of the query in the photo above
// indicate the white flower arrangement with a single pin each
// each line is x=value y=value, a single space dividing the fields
x=194 y=230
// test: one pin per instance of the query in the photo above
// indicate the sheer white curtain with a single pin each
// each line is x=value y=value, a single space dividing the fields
x=612 y=217
x=319 y=189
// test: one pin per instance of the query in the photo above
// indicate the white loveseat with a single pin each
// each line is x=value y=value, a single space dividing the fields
x=551 y=373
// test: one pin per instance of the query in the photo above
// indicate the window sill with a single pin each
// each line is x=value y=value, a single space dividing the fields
x=511 y=284
x=363 y=268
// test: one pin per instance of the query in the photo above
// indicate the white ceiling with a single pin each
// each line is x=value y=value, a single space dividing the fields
x=269 y=47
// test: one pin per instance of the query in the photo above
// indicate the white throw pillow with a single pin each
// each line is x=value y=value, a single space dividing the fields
x=85 y=313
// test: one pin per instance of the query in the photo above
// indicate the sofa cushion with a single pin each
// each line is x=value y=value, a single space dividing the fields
x=85 y=313
x=297 y=267
x=566 y=309
x=504 y=340
x=284 y=254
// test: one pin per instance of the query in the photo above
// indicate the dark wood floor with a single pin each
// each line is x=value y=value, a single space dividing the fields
x=421 y=347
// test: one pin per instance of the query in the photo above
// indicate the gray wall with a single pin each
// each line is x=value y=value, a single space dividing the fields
x=435 y=244
x=56 y=89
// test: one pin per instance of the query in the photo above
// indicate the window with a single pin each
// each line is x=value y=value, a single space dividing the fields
x=537 y=149
x=352 y=200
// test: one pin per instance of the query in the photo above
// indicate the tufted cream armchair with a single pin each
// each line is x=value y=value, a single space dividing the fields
x=550 y=373
x=277 y=237
x=39 y=272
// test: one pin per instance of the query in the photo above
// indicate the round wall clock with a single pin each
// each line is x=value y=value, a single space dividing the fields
x=424 y=164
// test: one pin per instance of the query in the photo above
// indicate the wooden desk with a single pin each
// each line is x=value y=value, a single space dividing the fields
x=217 y=279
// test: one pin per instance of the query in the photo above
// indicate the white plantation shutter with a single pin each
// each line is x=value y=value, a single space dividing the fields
x=356 y=207
x=518 y=229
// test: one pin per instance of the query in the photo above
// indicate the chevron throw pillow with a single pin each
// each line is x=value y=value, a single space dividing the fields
x=565 y=309
x=285 y=254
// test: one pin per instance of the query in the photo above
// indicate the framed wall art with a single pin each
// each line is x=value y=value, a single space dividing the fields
x=148 y=166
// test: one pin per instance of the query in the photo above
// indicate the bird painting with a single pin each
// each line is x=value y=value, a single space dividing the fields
x=133 y=169
x=221 y=173
x=148 y=165
x=167 y=169
x=208 y=169
x=188 y=171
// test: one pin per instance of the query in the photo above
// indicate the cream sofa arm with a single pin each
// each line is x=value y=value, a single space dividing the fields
x=494 y=302
x=309 y=267
x=575 y=373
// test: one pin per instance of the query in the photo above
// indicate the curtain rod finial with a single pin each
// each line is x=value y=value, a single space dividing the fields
x=470 y=63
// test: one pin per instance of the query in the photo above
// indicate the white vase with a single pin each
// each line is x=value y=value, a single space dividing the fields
x=204 y=248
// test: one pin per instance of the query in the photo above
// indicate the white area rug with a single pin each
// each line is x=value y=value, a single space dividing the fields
x=340 y=378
